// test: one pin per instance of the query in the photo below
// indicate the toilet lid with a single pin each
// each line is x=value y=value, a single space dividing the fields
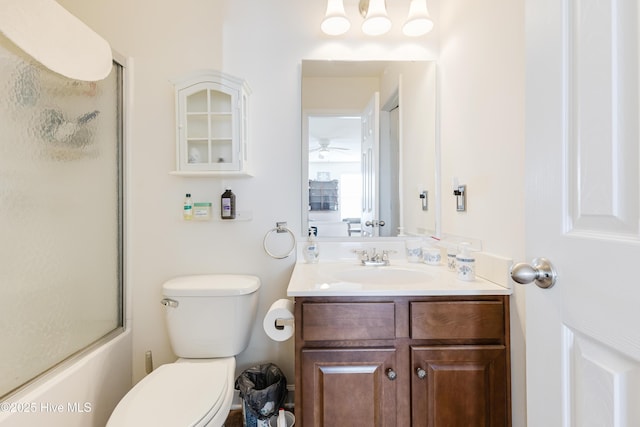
x=176 y=394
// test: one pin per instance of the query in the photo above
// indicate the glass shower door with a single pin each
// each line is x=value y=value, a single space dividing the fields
x=60 y=215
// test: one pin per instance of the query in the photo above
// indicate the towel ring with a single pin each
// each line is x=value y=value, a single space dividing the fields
x=281 y=227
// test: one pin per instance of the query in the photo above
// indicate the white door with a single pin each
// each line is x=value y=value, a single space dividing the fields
x=582 y=212
x=370 y=147
x=389 y=205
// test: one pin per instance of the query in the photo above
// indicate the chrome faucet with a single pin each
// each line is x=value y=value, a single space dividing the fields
x=374 y=258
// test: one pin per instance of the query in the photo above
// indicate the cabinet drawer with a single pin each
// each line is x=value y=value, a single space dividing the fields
x=348 y=321
x=457 y=320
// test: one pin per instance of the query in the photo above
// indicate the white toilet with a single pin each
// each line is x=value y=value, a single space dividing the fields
x=209 y=319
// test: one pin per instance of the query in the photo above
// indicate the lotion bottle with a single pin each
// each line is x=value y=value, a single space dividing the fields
x=466 y=263
x=310 y=251
x=187 y=210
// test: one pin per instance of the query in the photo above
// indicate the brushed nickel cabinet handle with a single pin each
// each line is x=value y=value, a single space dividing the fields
x=422 y=374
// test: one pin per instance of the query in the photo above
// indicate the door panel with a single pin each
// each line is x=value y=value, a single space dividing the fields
x=605 y=383
x=602 y=117
x=583 y=187
x=370 y=150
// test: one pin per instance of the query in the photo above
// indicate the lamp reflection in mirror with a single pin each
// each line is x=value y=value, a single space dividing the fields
x=376 y=21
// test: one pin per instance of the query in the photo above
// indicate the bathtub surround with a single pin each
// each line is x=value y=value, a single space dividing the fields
x=82 y=393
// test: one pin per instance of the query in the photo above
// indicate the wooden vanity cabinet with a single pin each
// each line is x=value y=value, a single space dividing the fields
x=402 y=361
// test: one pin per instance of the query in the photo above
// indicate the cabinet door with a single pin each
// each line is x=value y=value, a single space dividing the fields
x=208 y=127
x=348 y=387
x=462 y=386
x=212 y=124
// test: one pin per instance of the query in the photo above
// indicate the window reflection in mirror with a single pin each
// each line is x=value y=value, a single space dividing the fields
x=369 y=148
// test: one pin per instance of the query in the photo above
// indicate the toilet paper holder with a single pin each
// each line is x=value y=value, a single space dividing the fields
x=278 y=323
x=281 y=323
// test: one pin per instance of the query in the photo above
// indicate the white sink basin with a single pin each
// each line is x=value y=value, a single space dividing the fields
x=383 y=276
x=342 y=278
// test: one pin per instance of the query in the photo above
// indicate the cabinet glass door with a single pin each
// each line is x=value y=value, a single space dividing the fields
x=212 y=125
x=209 y=128
x=209 y=131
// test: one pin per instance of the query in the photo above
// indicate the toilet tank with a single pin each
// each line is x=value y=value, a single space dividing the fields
x=210 y=315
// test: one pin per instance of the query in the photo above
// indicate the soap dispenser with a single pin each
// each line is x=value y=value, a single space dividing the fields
x=310 y=250
x=465 y=263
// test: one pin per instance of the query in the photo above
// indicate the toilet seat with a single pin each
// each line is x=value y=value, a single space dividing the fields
x=186 y=393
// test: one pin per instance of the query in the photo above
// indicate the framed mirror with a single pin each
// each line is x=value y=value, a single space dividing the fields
x=370 y=163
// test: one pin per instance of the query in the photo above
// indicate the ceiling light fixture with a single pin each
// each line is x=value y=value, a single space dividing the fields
x=418 y=22
x=376 y=21
x=335 y=21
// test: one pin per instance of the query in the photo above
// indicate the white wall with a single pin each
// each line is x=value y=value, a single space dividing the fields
x=166 y=40
x=482 y=80
x=482 y=136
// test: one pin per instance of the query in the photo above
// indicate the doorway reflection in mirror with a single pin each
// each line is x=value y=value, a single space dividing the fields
x=368 y=140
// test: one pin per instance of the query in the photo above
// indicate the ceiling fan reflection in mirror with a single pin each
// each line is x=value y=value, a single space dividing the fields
x=324 y=147
x=334 y=137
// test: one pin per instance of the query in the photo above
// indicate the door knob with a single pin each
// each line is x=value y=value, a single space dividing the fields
x=540 y=270
x=421 y=373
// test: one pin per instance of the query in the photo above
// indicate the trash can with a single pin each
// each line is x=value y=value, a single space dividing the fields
x=263 y=389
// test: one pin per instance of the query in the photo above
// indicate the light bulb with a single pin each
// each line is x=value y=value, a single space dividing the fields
x=335 y=21
x=376 y=22
x=418 y=22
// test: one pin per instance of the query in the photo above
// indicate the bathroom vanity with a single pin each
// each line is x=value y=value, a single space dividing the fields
x=430 y=351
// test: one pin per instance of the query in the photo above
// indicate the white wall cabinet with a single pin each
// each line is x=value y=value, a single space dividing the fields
x=212 y=125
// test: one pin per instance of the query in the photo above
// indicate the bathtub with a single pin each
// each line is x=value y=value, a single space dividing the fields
x=80 y=394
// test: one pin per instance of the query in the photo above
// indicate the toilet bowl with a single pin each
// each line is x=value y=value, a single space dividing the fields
x=209 y=319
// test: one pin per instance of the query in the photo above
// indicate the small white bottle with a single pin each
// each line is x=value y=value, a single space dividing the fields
x=310 y=251
x=187 y=210
x=282 y=420
x=466 y=263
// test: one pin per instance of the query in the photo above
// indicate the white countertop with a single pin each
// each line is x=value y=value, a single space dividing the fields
x=401 y=278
